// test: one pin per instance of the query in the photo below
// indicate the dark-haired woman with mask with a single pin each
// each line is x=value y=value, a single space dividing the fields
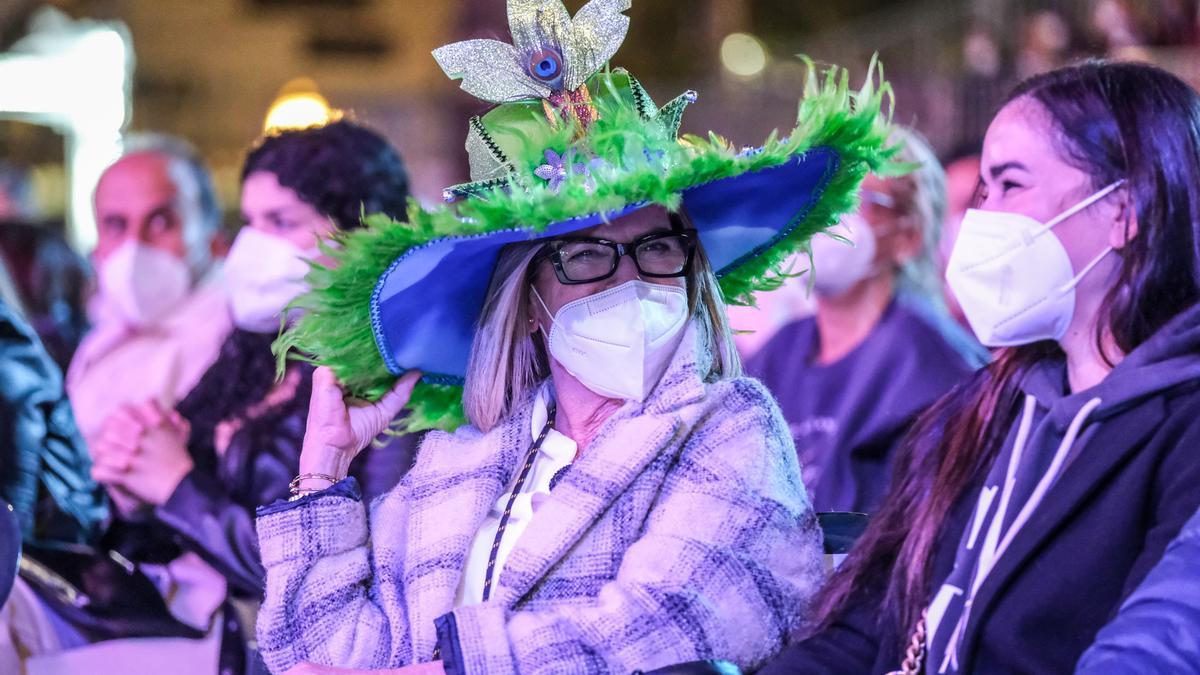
x=235 y=439
x=1031 y=501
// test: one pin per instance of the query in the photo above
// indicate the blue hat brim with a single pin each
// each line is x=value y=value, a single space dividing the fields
x=425 y=306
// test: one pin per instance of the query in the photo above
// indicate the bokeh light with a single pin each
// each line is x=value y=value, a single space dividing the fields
x=743 y=54
x=298 y=106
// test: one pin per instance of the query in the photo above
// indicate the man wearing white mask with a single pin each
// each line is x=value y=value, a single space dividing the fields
x=881 y=346
x=160 y=313
x=199 y=469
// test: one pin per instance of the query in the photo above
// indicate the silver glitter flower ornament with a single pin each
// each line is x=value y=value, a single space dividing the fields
x=551 y=56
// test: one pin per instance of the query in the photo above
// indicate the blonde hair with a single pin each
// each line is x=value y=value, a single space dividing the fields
x=508 y=361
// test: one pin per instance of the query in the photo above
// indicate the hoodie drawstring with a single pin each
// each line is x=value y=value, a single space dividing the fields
x=994 y=545
x=1052 y=472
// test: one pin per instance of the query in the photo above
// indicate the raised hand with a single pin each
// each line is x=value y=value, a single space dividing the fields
x=338 y=429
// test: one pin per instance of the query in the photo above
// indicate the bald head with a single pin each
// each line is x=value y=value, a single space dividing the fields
x=158 y=199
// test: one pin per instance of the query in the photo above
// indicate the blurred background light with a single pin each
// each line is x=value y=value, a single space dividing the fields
x=743 y=54
x=210 y=71
x=299 y=105
x=75 y=77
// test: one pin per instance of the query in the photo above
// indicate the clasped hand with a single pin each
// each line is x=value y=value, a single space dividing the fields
x=141 y=453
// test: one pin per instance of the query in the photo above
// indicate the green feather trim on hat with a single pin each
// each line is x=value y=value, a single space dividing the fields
x=631 y=157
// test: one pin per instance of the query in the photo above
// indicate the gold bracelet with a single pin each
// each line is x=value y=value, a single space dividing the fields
x=294 y=486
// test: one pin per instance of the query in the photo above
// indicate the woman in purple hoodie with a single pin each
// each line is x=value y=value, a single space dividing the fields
x=881 y=347
x=1028 y=503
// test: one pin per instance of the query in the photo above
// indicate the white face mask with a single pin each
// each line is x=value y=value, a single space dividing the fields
x=143 y=283
x=838 y=265
x=263 y=274
x=1013 y=277
x=619 y=342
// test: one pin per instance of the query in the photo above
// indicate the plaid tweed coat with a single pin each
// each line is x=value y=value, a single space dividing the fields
x=682 y=532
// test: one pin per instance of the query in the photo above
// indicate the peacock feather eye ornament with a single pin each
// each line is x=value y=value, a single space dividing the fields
x=551 y=57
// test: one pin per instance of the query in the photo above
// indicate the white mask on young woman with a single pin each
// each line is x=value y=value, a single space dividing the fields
x=1013 y=278
x=619 y=342
x=143 y=283
x=263 y=274
x=837 y=265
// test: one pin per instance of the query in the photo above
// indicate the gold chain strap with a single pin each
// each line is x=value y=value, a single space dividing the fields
x=914 y=656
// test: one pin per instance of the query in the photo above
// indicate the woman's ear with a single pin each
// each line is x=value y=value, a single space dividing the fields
x=531 y=322
x=533 y=311
x=1124 y=226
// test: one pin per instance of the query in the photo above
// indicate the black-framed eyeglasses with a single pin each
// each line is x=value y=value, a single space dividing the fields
x=582 y=260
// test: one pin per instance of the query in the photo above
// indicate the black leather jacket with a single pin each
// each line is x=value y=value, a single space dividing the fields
x=44 y=464
x=211 y=512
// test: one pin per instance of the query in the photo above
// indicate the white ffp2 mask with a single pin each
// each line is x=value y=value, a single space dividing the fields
x=263 y=274
x=1013 y=278
x=143 y=283
x=618 y=342
x=838 y=265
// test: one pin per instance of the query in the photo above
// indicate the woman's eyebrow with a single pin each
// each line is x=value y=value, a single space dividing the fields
x=995 y=171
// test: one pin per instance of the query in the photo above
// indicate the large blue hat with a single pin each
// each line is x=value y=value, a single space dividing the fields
x=569 y=146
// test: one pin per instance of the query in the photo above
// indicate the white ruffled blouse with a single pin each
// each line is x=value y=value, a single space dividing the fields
x=556 y=453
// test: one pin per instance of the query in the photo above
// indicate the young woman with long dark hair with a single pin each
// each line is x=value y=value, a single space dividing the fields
x=1031 y=500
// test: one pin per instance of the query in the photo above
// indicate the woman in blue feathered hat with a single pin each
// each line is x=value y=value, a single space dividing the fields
x=620 y=497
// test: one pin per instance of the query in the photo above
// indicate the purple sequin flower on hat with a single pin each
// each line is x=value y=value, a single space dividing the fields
x=558 y=167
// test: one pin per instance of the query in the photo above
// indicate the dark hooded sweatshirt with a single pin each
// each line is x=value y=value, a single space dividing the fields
x=1081 y=501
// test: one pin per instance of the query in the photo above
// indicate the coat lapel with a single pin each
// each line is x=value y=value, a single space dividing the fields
x=602 y=473
x=450 y=494
x=1112 y=443
x=627 y=443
